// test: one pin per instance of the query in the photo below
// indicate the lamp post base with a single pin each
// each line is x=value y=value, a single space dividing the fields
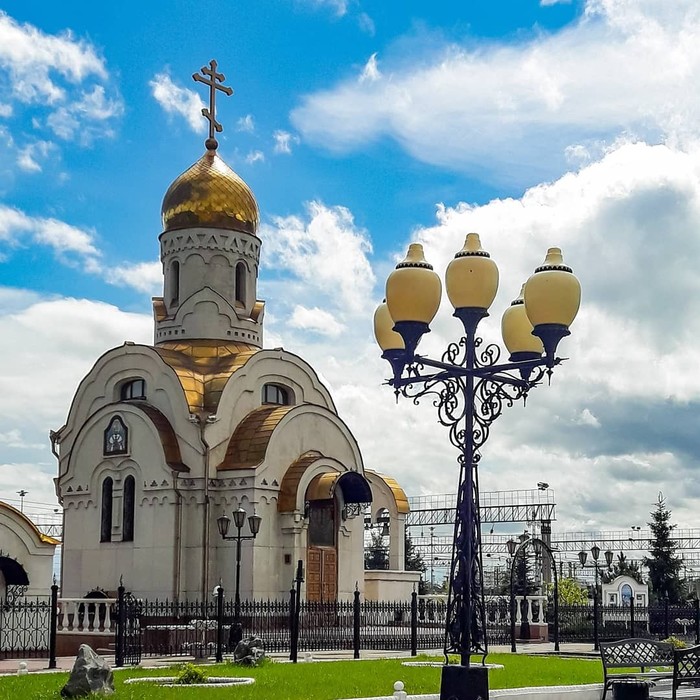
x=464 y=683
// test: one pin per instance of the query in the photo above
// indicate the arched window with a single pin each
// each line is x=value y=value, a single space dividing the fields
x=240 y=283
x=106 y=522
x=128 y=509
x=116 y=438
x=134 y=389
x=175 y=283
x=275 y=394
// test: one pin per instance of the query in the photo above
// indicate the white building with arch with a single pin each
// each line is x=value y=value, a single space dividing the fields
x=26 y=556
x=161 y=439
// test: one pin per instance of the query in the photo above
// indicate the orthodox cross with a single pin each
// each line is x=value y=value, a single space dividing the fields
x=213 y=79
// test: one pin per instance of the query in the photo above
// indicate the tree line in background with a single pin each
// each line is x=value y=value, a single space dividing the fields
x=663 y=564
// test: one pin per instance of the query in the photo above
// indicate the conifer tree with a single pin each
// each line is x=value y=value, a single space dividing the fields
x=663 y=564
x=413 y=561
x=623 y=567
x=377 y=553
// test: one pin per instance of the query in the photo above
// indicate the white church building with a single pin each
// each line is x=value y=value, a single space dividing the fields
x=26 y=556
x=162 y=439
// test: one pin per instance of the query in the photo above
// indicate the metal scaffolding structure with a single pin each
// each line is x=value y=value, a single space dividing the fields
x=574 y=542
x=52 y=529
x=521 y=506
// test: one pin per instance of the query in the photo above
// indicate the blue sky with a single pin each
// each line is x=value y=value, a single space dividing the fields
x=274 y=54
x=361 y=126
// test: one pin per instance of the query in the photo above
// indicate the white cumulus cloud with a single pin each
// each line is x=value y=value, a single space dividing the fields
x=246 y=124
x=143 y=277
x=175 y=99
x=338 y=7
x=370 y=73
x=32 y=56
x=327 y=251
x=510 y=110
x=16 y=226
x=316 y=320
x=255 y=157
x=60 y=80
x=29 y=156
x=284 y=141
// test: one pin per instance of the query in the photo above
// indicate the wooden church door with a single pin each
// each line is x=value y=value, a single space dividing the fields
x=322 y=554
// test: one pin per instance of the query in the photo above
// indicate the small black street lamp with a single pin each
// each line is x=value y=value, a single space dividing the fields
x=582 y=556
x=223 y=522
x=470 y=386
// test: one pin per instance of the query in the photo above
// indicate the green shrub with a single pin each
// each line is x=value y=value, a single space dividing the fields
x=190 y=674
x=675 y=642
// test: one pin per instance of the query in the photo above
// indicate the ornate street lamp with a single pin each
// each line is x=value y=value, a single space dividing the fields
x=582 y=556
x=471 y=389
x=223 y=522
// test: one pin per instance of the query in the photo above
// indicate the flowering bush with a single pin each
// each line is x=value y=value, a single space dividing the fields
x=675 y=642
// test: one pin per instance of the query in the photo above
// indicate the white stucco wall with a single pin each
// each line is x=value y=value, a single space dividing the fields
x=390 y=585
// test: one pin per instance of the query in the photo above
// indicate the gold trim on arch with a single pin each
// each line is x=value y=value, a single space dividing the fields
x=287 y=500
x=398 y=493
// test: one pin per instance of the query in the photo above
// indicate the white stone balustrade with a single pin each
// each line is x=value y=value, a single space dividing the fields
x=497 y=611
x=87 y=616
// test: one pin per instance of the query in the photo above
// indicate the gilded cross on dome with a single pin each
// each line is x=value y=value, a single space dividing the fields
x=213 y=79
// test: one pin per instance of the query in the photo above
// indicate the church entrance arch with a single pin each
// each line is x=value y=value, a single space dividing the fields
x=330 y=498
x=322 y=552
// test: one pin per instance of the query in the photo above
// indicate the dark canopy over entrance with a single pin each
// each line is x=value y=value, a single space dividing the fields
x=355 y=488
x=13 y=572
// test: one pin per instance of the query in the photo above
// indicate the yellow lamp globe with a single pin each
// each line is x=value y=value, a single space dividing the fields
x=553 y=293
x=413 y=293
x=472 y=277
x=386 y=337
x=552 y=299
x=516 y=330
x=413 y=290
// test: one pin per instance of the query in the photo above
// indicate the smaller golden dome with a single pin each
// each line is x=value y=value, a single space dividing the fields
x=210 y=195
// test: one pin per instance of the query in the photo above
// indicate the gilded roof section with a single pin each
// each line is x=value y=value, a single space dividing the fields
x=171 y=448
x=399 y=494
x=203 y=368
x=257 y=309
x=159 y=310
x=322 y=486
x=248 y=444
x=209 y=194
x=286 y=501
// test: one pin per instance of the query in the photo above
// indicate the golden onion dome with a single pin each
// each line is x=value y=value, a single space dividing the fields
x=210 y=195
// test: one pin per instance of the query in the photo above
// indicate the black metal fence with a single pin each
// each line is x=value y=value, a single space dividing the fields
x=29 y=627
x=576 y=622
x=170 y=628
x=25 y=627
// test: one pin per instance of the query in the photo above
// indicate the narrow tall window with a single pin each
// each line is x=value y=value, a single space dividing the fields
x=128 y=509
x=240 y=283
x=106 y=522
x=175 y=283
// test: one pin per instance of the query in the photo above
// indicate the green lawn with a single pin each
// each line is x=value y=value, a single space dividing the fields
x=321 y=681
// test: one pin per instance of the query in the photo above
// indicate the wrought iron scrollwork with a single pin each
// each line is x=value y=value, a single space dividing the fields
x=353 y=510
x=470 y=388
x=13 y=592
